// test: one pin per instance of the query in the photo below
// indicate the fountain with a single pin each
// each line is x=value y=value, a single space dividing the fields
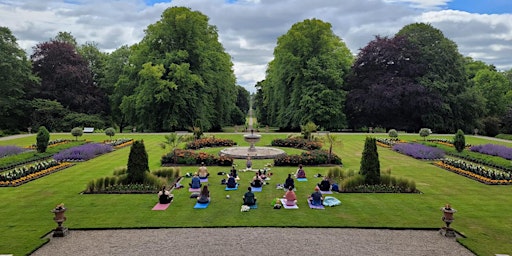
x=252 y=138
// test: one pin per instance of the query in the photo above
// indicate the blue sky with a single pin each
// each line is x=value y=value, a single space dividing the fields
x=482 y=6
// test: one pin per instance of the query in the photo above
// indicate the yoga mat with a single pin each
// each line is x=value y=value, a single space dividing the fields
x=283 y=202
x=254 y=189
x=203 y=180
x=160 y=207
x=302 y=179
x=235 y=188
x=325 y=192
x=201 y=206
x=321 y=207
x=194 y=190
x=253 y=206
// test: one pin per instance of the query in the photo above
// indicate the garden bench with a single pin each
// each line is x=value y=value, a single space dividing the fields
x=88 y=129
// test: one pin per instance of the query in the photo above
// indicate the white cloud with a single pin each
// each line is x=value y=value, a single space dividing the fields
x=248 y=29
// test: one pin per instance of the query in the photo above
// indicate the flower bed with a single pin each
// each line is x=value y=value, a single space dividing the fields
x=209 y=142
x=119 y=143
x=493 y=150
x=445 y=142
x=189 y=157
x=297 y=143
x=387 y=142
x=51 y=143
x=419 y=151
x=10 y=150
x=378 y=188
x=476 y=172
x=83 y=152
x=314 y=157
x=27 y=173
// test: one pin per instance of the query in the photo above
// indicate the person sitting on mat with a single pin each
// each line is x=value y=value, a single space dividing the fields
x=233 y=173
x=204 y=196
x=256 y=181
x=325 y=184
x=300 y=172
x=195 y=182
x=248 y=163
x=203 y=171
x=164 y=197
x=249 y=198
x=316 y=197
x=290 y=198
x=289 y=182
x=231 y=183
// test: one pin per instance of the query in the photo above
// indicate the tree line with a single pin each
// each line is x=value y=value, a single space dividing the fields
x=179 y=77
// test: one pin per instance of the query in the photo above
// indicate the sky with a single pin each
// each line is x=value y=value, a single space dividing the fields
x=248 y=29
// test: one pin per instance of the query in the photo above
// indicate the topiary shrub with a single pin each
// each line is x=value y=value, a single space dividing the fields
x=459 y=141
x=110 y=132
x=77 y=132
x=393 y=133
x=137 y=163
x=424 y=133
x=370 y=165
x=42 y=139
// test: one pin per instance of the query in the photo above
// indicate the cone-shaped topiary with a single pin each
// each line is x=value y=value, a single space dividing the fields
x=459 y=141
x=137 y=163
x=42 y=139
x=370 y=165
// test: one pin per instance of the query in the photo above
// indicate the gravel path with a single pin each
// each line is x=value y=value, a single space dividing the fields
x=253 y=241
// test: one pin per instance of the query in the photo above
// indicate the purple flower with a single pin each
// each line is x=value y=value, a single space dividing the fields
x=419 y=151
x=493 y=150
x=83 y=152
x=10 y=150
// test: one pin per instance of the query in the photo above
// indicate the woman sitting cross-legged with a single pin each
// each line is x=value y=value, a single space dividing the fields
x=204 y=196
x=249 y=198
x=316 y=197
x=256 y=181
x=164 y=197
x=325 y=184
x=195 y=182
x=289 y=182
x=300 y=172
x=231 y=182
x=290 y=198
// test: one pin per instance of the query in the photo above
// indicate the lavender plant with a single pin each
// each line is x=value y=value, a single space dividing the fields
x=83 y=152
x=494 y=150
x=419 y=151
x=10 y=150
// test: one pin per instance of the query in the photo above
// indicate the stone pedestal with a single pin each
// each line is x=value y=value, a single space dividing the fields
x=448 y=232
x=59 y=231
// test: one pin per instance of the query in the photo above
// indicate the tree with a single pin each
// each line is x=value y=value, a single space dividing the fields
x=242 y=99
x=308 y=129
x=118 y=83
x=137 y=163
x=332 y=140
x=459 y=141
x=370 y=165
x=48 y=113
x=15 y=76
x=77 y=132
x=305 y=79
x=393 y=133
x=493 y=86
x=110 y=132
x=42 y=139
x=424 y=133
x=173 y=140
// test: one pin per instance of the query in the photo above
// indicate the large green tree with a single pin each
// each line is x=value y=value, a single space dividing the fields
x=180 y=74
x=305 y=80
x=15 y=75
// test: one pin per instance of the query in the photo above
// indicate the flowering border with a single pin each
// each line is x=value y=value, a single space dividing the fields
x=471 y=175
x=35 y=175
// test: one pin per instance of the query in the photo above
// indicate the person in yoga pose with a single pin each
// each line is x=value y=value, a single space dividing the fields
x=316 y=197
x=195 y=182
x=289 y=182
x=248 y=163
x=325 y=184
x=233 y=173
x=249 y=198
x=204 y=196
x=203 y=171
x=164 y=197
x=231 y=183
x=290 y=198
x=300 y=172
x=256 y=181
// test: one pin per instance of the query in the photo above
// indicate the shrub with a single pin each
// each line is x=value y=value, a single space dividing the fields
x=120 y=171
x=209 y=142
x=189 y=157
x=459 y=141
x=168 y=173
x=296 y=143
x=313 y=157
x=77 y=132
x=424 y=133
x=393 y=133
x=370 y=165
x=110 y=132
x=419 y=151
x=137 y=163
x=43 y=136
x=335 y=173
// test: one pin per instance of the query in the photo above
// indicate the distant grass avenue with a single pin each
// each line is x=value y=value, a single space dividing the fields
x=484 y=211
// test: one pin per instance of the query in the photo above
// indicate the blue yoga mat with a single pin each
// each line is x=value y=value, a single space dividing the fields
x=253 y=189
x=201 y=206
x=235 y=188
x=302 y=179
x=253 y=206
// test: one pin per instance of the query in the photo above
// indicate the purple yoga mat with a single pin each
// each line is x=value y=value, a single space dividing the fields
x=160 y=207
x=321 y=207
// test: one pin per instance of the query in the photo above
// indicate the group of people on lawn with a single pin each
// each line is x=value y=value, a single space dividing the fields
x=290 y=198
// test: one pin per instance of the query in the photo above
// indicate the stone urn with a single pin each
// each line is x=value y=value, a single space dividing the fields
x=59 y=218
x=252 y=138
x=447 y=218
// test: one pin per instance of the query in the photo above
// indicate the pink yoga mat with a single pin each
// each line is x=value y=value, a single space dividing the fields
x=194 y=190
x=160 y=207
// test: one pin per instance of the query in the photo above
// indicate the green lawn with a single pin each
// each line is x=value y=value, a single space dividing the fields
x=484 y=212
